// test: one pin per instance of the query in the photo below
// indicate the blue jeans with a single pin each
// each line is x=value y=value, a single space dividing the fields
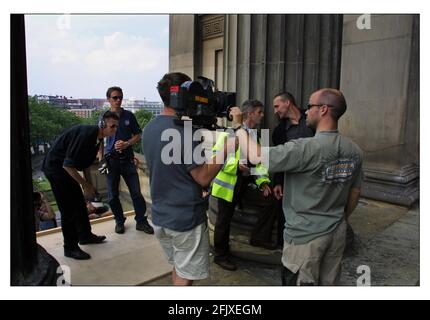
x=127 y=170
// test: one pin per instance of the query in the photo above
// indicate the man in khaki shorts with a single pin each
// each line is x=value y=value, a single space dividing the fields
x=178 y=207
x=322 y=182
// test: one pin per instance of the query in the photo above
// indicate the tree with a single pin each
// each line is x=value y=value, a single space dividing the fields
x=143 y=117
x=47 y=122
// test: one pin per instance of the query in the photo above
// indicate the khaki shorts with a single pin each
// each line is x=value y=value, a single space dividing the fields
x=187 y=251
x=317 y=262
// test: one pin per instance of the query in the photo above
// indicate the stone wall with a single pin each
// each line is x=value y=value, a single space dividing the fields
x=380 y=80
x=377 y=69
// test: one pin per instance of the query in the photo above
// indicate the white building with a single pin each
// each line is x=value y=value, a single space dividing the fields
x=133 y=105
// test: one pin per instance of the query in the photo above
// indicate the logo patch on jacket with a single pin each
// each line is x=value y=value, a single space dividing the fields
x=339 y=171
x=127 y=122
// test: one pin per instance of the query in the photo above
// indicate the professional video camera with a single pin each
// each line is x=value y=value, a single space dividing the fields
x=198 y=101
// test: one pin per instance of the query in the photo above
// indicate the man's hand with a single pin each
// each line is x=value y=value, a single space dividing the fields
x=266 y=189
x=277 y=192
x=121 y=145
x=89 y=190
x=236 y=115
x=243 y=168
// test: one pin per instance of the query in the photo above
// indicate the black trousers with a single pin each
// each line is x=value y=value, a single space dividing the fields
x=75 y=224
x=288 y=278
x=262 y=231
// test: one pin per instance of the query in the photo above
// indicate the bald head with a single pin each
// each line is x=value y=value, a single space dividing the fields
x=333 y=98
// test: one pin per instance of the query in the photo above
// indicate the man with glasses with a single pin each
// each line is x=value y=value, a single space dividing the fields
x=121 y=163
x=73 y=151
x=322 y=179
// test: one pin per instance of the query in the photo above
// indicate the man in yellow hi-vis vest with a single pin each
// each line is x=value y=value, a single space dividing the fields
x=229 y=186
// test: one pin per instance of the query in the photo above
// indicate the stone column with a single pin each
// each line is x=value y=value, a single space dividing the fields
x=380 y=80
x=267 y=54
x=182 y=44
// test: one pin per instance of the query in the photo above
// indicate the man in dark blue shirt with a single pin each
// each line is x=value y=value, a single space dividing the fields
x=120 y=156
x=73 y=151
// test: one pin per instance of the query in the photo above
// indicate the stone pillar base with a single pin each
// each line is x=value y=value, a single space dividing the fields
x=398 y=187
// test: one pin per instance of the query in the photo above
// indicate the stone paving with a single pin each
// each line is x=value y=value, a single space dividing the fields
x=386 y=243
x=386 y=239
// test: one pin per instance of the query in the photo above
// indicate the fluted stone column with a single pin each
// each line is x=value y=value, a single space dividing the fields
x=267 y=54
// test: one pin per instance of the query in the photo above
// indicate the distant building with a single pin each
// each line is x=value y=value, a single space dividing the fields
x=134 y=105
x=60 y=101
x=84 y=107
x=83 y=113
x=93 y=103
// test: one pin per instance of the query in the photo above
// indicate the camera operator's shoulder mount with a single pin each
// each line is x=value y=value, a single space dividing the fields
x=198 y=101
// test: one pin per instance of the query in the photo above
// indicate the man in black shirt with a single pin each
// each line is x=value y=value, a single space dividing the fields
x=292 y=125
x=73 y=151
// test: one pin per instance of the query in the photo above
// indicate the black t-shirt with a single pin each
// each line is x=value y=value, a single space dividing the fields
x=287 y=131
x=77 y=147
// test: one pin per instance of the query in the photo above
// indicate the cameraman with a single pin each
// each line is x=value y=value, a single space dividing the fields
x=178 y=207
x=74 y=150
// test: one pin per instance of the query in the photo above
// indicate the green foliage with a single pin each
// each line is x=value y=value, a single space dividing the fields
x=41 y=184
x=143 y=117
x=47 y=122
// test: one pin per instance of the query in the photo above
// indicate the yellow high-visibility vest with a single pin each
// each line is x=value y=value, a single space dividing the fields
x=225 y=181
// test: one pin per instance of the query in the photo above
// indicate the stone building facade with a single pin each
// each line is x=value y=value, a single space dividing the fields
x=375 y=64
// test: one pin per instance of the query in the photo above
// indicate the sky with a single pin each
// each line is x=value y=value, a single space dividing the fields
x=82 y=55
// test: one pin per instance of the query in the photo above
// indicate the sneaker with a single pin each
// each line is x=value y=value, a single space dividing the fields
x=119 y=228
x=92 y=239
x=76 y=253
x=225 y=263
x=145 y=227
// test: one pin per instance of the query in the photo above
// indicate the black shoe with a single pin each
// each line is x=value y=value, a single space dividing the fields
x=225 y=263
x=77 y=254
x=119 y=228
x=145 y=227
x=93 y=239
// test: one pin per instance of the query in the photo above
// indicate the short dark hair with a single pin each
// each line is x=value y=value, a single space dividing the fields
x=336 y=99
x=169 y=80
x=284 y=95
x=112 y=89
x=249 y=106
x=110 y=115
